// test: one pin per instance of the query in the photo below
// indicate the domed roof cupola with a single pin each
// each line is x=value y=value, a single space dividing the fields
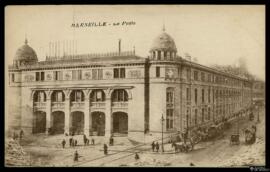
x=25 y=55
x=163 y=47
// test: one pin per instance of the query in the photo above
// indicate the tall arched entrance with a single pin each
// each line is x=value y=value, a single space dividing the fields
x=98 y=123
x=120 y=122
x=39 y=122
x=58 y=122
x=77 y=122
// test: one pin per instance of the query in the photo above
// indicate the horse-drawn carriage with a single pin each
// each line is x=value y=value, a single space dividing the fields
x=250 y=135
x=183 y=146
x=213 y=132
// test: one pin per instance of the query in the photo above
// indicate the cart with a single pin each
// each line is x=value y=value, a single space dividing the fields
x=235 y=139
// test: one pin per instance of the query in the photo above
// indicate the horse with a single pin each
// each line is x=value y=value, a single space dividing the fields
x=183 y=146
x=178 y=147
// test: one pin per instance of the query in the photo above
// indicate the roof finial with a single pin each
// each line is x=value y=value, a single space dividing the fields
x=26 y=41
x=134 y=50
x=163 y=29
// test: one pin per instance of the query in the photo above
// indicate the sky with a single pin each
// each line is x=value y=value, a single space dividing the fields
x=211 y=34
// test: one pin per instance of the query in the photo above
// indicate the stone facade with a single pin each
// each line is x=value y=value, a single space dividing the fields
x=121 y=93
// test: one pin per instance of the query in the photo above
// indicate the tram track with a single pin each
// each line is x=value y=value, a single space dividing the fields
x=123 y=154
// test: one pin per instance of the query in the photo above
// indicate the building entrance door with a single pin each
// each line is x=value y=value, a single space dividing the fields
x=77 y=123
x=39 y=122
x=120 y=123
x=98 y=124
x=58 y=122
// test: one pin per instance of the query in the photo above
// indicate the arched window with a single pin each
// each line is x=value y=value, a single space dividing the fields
x=97 y=96
x=165 y=55
x=170 y=108
x=119 y=95
x=196 y=96
x=77 y=96
x=171 y=55
x=202 y=115
x=58 y=96
x=209 y=113
x=159 y=55
x=39 y=96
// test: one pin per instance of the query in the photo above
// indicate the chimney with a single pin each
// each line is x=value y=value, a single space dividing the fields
x=119 y=46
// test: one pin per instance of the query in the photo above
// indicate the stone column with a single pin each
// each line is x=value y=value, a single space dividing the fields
x=86 y=112
x=48 y=115
x=32 y=115
x=48 y=110
x=156 y=55
x=86 y=117
x=108 y=116
x=67 y=111
x=162 y=55
x=67 y=115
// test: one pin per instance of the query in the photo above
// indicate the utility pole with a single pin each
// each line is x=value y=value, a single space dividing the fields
x=258 y=119
x=162 y=121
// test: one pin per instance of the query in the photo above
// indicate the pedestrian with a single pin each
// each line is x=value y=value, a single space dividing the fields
x=105 y=149
x=137 y=156
x=157 y=146
x=87 y=142
x=70 y=141
x=153 y=146
x=84 y=139
x=63 y=143
x=111 y=141
x=93 y=141
x=21 y=134
x=76 y=156
x=75 y=142
x=14 y=136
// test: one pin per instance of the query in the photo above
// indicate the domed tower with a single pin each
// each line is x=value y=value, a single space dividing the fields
x=163 y=86
x=25 y=55
x=163 y=47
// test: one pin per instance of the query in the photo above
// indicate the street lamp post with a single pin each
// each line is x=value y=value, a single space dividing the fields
x=258 y=119
x=162 y=121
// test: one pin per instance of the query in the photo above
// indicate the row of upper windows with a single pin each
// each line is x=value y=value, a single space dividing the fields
x=118 y=95
x=77 y=74
x=170 y=110
x=216 y=94
x=166 y=55
x=206 y=77
x=206 y=113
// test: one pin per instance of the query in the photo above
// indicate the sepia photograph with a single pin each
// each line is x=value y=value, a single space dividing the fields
x=135 y=86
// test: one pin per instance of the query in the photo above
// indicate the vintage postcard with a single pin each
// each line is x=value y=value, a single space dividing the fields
x=135 y=85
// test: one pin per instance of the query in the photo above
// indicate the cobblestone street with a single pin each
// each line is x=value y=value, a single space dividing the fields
x=47 y=151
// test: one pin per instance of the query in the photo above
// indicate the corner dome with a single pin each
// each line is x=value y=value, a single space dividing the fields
x=26 y=53
x=163 y=42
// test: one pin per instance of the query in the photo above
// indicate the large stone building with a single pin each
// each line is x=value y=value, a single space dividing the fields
x=258 y=92
x=121 y=93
